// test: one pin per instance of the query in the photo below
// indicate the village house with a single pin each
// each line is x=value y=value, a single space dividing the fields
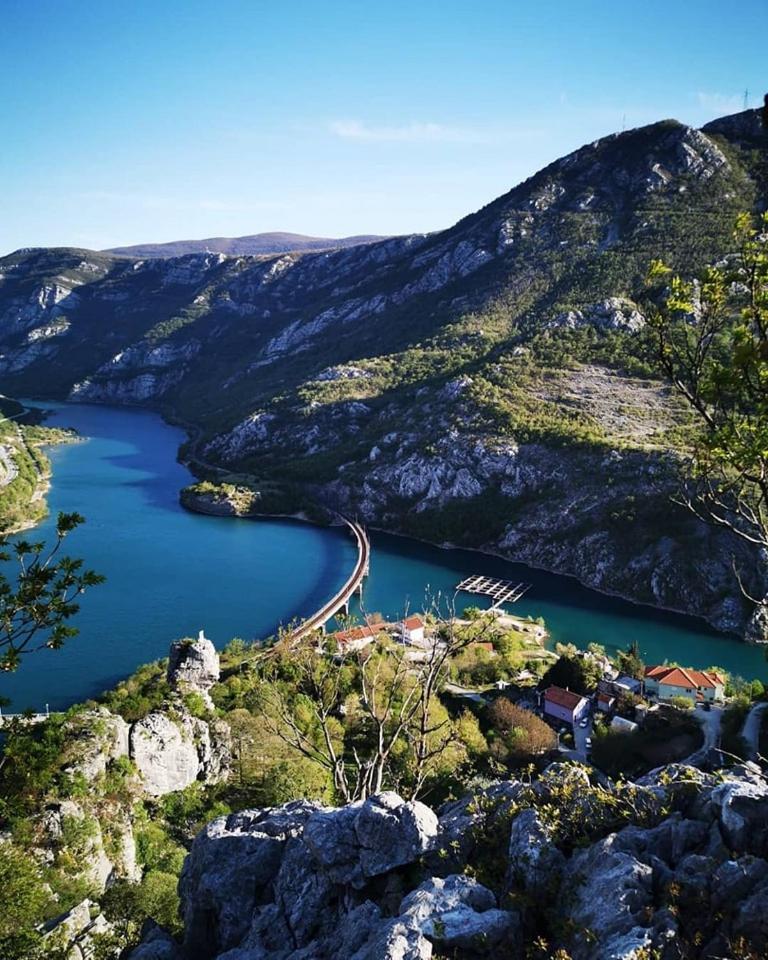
x=664 y=681
x=605 y=702
x=411 y=630
x=356 y=638
x=565 y=705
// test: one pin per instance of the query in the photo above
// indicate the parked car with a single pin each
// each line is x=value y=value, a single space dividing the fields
x=584 y=722
x=588 y=743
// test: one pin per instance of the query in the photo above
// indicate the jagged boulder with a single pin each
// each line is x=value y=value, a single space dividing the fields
x=607 y=892
x=230 y=869
x=364 y=840
x=156 y=944
x=535 y=863
x=458 y=913
x=742 y=808
x=67 y=818
x=94 y=739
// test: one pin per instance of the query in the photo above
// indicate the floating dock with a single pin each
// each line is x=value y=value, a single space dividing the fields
x=500 y=591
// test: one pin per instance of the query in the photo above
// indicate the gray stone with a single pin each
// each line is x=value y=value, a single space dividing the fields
x=459 y=913
x=394 y=941
x=607 y=891
x=366 y=839
x=535 y=863
x=156 y=944
x=193 y=665
x=94 y=739
x=743 y=813
x=230 y=868
x=172 y=749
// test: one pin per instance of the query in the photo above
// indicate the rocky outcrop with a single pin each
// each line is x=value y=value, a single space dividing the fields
x=193 y=666
x=95 y=739
x=303 y=881
x=170 y=747
x=387 y=879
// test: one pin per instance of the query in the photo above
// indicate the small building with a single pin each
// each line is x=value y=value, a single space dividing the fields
x=664 y=681
x=622 y=725
x=411 y=630
x=356 y=638
x=565 y=705
x=625 y=684
x=605 y=702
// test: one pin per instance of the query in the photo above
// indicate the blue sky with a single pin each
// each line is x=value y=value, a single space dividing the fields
x=171 y=119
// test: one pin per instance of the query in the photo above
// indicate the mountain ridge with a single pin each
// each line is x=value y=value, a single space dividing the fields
x=488 y=385
x=256 y=244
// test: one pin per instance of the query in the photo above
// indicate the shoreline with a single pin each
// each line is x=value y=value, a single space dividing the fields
x=193 y=433
x=697 y=618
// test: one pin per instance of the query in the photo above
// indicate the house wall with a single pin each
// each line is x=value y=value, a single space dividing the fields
x=563 y=713
x=667 y=690
x=560 y=713
x=652 y=686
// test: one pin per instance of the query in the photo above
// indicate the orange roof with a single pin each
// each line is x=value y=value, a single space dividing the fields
x=563 y=698
x=605 y=698
x=413 y=623
x=360 y=633
x=683 y=676
x=483 y=644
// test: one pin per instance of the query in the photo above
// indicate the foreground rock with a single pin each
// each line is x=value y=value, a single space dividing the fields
x=671 y=867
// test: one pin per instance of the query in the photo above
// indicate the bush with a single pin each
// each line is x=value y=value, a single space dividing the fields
x=24 y=903
x=681 y=703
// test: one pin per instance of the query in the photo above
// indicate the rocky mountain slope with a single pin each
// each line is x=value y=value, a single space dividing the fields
x=488 y=385
x=252 y=245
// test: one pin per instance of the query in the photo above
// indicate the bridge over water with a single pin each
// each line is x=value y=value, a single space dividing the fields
x=340 y=600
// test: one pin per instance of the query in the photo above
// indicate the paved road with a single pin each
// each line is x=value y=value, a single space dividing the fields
x=750 y=732
x=710 y=721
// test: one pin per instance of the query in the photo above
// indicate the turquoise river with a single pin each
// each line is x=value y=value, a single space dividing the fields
x=171 y=573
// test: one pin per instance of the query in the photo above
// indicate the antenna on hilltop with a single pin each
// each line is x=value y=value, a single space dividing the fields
x=746 y=99
x=623 y=122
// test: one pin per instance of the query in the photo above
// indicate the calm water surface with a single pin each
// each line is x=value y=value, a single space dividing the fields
x=171 y=572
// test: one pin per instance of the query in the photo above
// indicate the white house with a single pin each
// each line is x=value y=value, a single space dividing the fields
x=664 y=681
x=565 y=705
x=411 y=630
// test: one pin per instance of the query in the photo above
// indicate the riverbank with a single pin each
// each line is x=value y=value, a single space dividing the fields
x=241 y=579
x=232 y=500
x=28 y=473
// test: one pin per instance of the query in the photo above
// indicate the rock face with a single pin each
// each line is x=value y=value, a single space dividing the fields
x=304 y=881
x=171 y=748
x=193 y=666
x=385 y=879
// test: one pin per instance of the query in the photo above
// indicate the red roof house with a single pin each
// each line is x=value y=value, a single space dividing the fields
x=564 y=704
x=665 y=681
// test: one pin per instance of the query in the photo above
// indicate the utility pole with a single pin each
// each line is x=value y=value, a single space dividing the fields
x=746 y=99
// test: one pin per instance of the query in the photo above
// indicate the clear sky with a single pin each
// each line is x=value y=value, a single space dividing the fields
x=151 y=120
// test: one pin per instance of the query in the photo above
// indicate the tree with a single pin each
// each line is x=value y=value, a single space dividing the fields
x=522 y=733
x=572 y=671
x=25 y=898
x=371 y=718
x=37 y=601
x=630 y=663
x=711 y=341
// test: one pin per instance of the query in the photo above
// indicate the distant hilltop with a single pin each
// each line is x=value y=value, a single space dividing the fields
x=257 y=243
